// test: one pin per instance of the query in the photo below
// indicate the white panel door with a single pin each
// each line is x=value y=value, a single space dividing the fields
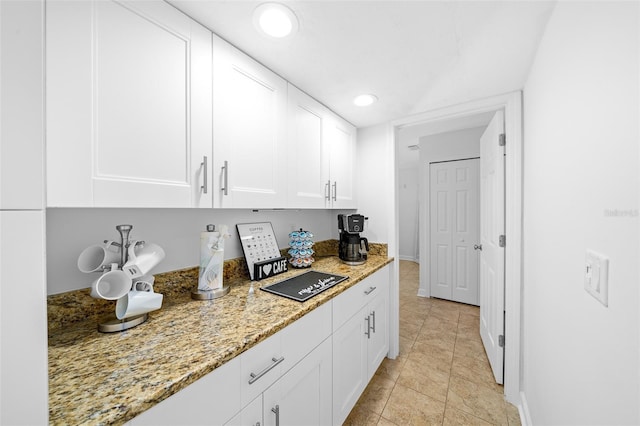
x=342 y=163
x=303 y=395
x=492 y=195
x=308 y=154
x=128 y=105
x=454 y=230
x=250 y=108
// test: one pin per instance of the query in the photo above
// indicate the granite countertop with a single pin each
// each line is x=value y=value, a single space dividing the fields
x=97 y=378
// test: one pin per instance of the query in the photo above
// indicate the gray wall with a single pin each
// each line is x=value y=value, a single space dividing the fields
x=177 y=231
x=408 y=213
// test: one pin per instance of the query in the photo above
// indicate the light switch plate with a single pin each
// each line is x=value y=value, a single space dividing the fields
x=596 y=276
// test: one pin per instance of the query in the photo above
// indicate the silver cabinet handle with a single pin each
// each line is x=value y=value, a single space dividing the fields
x=477 y=247
x=373 y=314
x=327 y=190
x=205 y=184
x=255 y=377
x=225 y=176
x=335 y=190
x=368 y=292
x=368 y=332
x=276 y=411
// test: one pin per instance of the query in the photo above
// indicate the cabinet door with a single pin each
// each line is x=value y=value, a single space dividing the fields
x=21 y=105
x=349 y=364
x=342 y=164
x=128 y=105
x=303 y=395
x=308 y=153
x=24 y=348
x=250 y=415
x=378 y=341
x=249 y=131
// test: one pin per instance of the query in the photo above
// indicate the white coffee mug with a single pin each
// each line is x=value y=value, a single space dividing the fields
x=138 y=303
x=143 y=259
x=111 y=285
x=94 y=258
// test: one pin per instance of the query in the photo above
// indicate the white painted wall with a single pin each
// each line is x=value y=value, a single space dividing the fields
x=448 y=146
x=378 y=200
x=376 y=177
x=177 y=231
x=581 y=160
x=408 y=185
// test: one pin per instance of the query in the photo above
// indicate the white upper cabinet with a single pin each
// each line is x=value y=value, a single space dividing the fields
x=128 y=106
x=249 y=119
x=308 y=154
x=341 y=140
x=321 y=152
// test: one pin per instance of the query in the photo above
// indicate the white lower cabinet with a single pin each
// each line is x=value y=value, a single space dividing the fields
x=303 y=395
x=310 y=373
x=212 y=400
x=361 y=342
x=250 y=415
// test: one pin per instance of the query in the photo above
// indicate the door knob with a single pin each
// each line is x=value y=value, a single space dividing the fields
x=477 y=247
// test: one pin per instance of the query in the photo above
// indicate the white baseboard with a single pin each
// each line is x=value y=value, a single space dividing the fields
x=523 y=409
x=423 y=293
x=409 y=258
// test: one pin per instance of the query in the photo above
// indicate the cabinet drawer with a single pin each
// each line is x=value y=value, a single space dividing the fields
x=301 y=337
x=259 y=370
x=352 y=300
x=192 y=405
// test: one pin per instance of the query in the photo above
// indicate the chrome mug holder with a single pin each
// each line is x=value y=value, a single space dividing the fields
x=114 y=325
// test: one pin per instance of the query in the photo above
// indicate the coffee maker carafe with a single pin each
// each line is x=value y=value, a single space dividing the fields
x=351 y=249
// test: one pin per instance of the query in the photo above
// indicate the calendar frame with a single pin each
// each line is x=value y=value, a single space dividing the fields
x=251 y=232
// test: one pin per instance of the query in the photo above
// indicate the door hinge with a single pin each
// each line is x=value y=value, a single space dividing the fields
x=502 y=241
x=502 y=139
x=501 y=340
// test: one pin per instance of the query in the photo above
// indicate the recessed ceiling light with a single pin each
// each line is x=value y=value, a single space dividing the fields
x=365 y=100
x=275 y=20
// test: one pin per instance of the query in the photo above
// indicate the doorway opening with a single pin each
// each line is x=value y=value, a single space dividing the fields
x=511 y=104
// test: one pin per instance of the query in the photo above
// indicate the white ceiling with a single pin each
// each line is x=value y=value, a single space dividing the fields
x=414 y=55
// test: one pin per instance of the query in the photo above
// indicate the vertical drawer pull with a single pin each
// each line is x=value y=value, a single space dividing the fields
x=276 y=411
x=368 y=332
x=255 y=377
x=327 y=190
x=373 y=314
x=368 y=292
x=225 y=175
x=204 y=186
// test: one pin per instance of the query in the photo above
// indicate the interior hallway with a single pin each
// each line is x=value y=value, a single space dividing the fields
x=441 y=376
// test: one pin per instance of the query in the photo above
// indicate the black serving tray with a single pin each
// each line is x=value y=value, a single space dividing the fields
x=304 y=286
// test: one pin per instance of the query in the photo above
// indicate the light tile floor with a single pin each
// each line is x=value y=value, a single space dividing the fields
x=442 y=376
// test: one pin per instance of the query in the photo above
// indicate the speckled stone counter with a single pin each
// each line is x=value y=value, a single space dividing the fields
x=97 y=378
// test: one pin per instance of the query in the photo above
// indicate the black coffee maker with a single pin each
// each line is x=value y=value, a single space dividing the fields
x=350 y=249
